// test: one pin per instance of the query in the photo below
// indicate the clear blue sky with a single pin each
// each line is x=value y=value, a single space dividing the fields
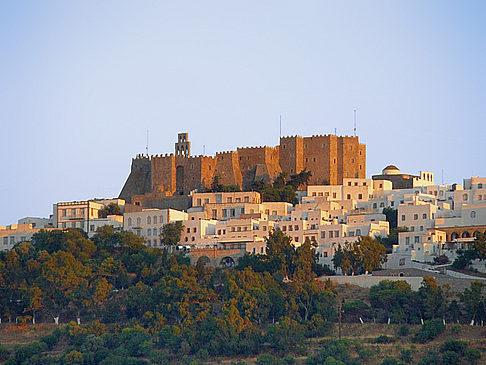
x=82 y=81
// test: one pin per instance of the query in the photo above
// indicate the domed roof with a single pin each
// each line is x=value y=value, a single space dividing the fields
x=391 y=170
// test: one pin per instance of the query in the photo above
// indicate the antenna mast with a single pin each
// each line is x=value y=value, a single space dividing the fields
x=146 y=148
x=355 y=122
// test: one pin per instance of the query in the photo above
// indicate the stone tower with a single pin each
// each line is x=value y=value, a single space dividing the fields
x=183 y=146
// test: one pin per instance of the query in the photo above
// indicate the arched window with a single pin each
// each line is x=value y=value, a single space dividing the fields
x=129 y=222
x=473 y=214
x=155 y=219
x=149 y=220
x=465 y=235
x=139 y=222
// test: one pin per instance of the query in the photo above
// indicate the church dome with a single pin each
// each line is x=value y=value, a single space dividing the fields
x=391 y=170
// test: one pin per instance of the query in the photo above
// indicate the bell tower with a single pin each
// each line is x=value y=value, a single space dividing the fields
x=183 y=146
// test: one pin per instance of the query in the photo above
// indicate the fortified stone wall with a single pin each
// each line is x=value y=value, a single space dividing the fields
x=228 y=168
x=163 y=178
x=291 y=154
x=139 y=180
x=328 y=157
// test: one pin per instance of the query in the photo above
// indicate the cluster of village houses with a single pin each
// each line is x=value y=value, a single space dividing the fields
x=221 y=227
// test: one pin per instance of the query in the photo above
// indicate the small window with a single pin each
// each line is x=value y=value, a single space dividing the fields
x=415 y=217
x=473 y=214
x=424 y=216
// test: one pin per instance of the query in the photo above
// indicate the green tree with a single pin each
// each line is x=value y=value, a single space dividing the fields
x=171 y=233
x=474 y=302
x=392 y=238
x=431 y=299
x=280 y=253
x=371 y=253
x=391 y=216
x=110 y=209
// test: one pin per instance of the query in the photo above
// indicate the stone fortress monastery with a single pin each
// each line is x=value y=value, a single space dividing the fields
x=330 y=158
x=338 y=206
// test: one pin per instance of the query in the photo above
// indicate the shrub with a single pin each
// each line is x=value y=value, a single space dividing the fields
x=202 y=354
x=432 y=358
x=50 y=340
x=365 y=354
x=136 y=342
x=24 y=353
x=289 y=359
x=456 y=329
x=267 y=359
x=287 y=335
x=74 y=357
x=473 y=355
x=159 y=357
x=403 y=330
x=333 y=352
x=4 y=353
x=384 y=339
x=450 y=358
x=430 y=330
x=406 y=355
x=390 y=361
x=454 y=346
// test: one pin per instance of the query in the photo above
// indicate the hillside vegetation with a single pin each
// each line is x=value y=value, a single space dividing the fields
x=117 y=301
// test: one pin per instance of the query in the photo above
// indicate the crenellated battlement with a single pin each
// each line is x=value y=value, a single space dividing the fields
x=329 y=157
x=223 y=153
